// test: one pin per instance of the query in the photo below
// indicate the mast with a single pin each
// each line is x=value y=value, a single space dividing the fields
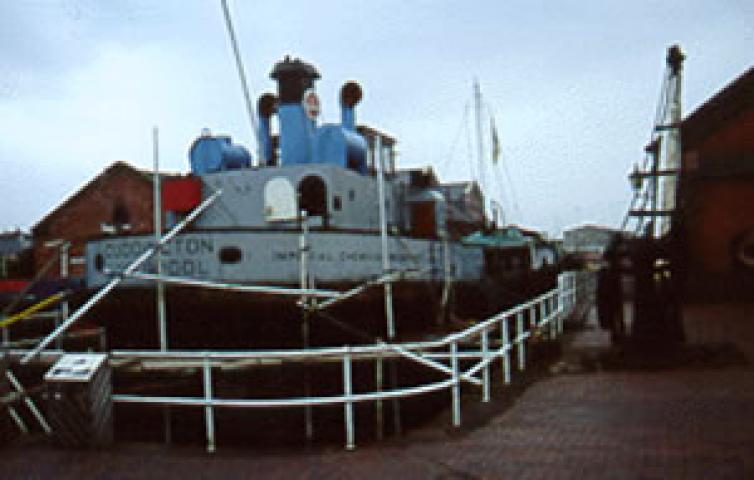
x=244 y=84
x=479 y=141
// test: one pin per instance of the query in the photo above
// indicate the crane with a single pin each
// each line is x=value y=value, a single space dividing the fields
x=655 y=182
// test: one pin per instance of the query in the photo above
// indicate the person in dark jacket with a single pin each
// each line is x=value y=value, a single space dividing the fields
x=609 y=292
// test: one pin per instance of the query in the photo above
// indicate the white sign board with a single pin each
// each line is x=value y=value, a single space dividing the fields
x=78 y=367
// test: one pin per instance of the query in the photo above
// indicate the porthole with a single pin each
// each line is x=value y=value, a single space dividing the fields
x=230 y=255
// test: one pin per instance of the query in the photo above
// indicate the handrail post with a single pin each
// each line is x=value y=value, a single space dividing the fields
x=559 y=301
x=561 y=314
x=162 y=329
x=379 y=420
x=305 y=304
x=555 y=314
x=456 y=389
x=486 y=369
x=384 y=238
x=64 y=311
x=348 y=405
x=544 y=319
x=545 y=315
x=539 y=312
x=209 y=417
x=505 y=341
x=533 y=319
x=521 y=342
x=390 y=328
x=447 y=278
x=573 y=293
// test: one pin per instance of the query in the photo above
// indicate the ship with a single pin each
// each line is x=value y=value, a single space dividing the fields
x=322 y=227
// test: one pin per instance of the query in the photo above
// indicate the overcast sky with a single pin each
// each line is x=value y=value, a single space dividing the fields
x=573 y=86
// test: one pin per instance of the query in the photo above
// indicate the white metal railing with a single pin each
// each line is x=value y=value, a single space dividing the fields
x=511 y=329
x=542 y=315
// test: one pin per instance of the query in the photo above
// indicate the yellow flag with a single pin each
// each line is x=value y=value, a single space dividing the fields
x=495 y=142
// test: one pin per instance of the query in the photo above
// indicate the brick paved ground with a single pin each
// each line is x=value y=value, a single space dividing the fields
x=677 y=423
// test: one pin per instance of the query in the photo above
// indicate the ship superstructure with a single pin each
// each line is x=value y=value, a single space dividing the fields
x=323 y=208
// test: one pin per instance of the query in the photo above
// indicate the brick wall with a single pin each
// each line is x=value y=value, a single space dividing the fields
x=717 y=190
x=81 y=217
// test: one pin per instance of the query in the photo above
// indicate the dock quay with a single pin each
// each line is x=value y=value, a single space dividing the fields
x=690 y=419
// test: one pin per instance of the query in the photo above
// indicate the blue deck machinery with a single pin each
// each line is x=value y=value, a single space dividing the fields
x=301 y=140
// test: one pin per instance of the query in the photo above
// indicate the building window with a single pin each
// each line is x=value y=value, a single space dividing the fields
x=121 y=216
x=336 y=203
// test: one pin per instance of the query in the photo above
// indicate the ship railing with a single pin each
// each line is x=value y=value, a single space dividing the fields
x=466 y=356
x=462 y=357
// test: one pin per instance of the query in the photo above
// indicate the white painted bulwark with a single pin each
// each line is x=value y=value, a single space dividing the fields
x=273 y=257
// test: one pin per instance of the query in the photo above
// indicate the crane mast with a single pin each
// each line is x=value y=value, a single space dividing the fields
x=671 y=161
x=655 y=183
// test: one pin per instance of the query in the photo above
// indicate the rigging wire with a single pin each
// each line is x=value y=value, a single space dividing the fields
x=475 y=171
x=242 y=78
x=469 y=148
x=456 y=138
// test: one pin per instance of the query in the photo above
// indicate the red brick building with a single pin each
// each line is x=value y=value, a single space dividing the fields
x=715 y=222
x=118 y=200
